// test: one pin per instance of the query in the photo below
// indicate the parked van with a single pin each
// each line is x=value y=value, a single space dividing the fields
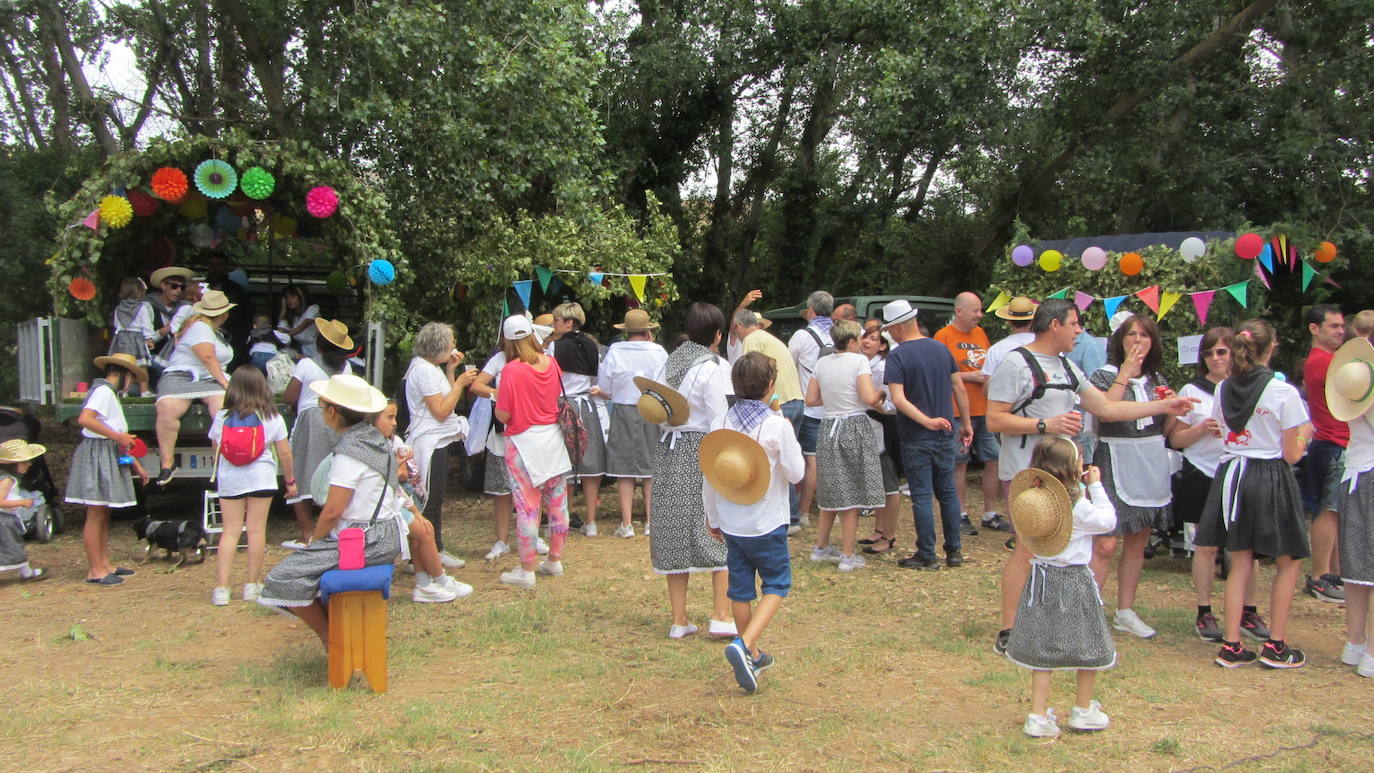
x=934 y=313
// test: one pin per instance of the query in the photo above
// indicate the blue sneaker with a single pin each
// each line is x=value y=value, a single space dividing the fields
x=737 y=655
x=765 y=660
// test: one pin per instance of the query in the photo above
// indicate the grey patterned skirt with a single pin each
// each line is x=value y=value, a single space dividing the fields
x=848 y=473
x=12 y=552
x=295 y=582
x=96 y=476
x=1269 y=519
x=1059 y=622
x=594 y=460
x=180 y=385
x=1129 y=518
x=1357 y=530
x=630 y=449
x=131 y=342
x=311 y=441
x=494 y=480
x=680 y=541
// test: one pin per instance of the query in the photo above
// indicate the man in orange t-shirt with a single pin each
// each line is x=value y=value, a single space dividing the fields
x=969 y=344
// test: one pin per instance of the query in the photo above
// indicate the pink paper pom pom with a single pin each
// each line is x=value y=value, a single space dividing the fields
x=321 y=201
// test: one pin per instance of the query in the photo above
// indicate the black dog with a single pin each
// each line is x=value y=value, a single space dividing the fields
x=184 y=537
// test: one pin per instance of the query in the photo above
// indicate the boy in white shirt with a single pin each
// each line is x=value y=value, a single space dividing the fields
x=752 y=518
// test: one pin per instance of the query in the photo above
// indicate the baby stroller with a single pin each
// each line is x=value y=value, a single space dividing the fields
x=40 y=522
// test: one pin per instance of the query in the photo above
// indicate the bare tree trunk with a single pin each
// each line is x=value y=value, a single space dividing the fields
x=264 y=57
x=95 y=112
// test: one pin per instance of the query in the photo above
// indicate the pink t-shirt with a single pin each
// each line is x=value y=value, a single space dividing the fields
x=530 y=396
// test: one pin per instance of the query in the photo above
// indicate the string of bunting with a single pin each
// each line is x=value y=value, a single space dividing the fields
x=546 y=278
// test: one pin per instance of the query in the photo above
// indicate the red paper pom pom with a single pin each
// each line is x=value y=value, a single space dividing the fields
x=143 y=204
x=169 y=184
x=81 y=288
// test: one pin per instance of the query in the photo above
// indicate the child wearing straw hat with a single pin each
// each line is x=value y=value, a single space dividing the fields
x=631 y=442
x=16 y=456
x=1349 y=396
x=1060 y=625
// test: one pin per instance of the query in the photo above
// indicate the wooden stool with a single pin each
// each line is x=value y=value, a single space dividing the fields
x=357 y=623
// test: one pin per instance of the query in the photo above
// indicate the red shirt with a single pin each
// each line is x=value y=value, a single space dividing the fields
x=1314 y=383
x=530 y=396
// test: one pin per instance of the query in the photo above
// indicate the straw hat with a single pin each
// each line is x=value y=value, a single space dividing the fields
x=1350 y=380
x=1019 y=309
x=349 y=391
x=125 y=361
x=897 y=312
x=636 y=321
x=1041 y=511
x=544 y=319
x=735 y=465
x=163 y=274
x=335 y=332
x=20 y=451
x=764 y=322
x=661 y=404
x=212 y=304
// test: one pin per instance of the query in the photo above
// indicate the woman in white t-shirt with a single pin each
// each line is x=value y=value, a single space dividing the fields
x=195 y=371
x=311 y=438
x=246 y=490
x=297 y=319
x=849 y=475
x=1253 y=508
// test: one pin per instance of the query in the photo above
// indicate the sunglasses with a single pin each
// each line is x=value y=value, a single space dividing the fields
x=175 y=285
x=1216 y=352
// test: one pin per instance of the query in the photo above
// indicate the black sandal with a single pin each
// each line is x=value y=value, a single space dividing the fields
x=872 y=551
x=870 y=541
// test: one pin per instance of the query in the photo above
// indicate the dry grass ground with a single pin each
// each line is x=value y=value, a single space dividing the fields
x=880 y=669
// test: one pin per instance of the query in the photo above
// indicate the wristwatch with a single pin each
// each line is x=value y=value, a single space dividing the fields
x=1040 y=426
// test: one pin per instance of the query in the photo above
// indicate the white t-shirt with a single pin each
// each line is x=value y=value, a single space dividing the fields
x=305 y=339
x=185 y=359
x=1011 y=383
x=1093 y=514
x=704 y=386
x=367 y=485
x=307 y=371
x=1205 y=454
x=625 y=360
x=805 y=353
x=141 y=323
x=1359 y=453
x=838 y=375
x=494 y=366
x=785 y=466
x=268 y=347
x=106 y=405
x=999 y=350
x=1280 y=407
x=423 y=379
x=259 y=475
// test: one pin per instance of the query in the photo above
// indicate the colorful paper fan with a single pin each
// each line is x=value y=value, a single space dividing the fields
x=216 y=178
x=81 y=288
x=257 y=183
x=321 y=201
x=169 y=184
x=116 y=211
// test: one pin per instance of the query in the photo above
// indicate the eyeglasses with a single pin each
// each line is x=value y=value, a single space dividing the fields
x=1216 y=352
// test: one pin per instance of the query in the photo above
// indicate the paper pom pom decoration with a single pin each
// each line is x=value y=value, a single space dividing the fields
x=194 y=207
x=202 y=236
x=1191 y=249
x=143 y=204
x=283 y=225
x=1326 y=252
x=381 y=272
x=115 y=211
x=1051 y=260
x=1131 y=264
x=257 y=183
x=81 y=288
x=216 y=178
x=1248 y=246
x=321 y=201
x=1023 y=255
x=336 y=282
x=163 y=252
x=1094 y=258
x=169 y=184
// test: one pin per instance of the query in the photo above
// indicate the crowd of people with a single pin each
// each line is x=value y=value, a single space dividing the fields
x=733 y=434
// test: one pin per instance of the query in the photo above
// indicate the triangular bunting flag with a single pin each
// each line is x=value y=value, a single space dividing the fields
x=92 y=220
x=554 y=285
x=1082 y=300
x=1061 y=294
x=1111 y=304
x=596 y=277
x=545 y=276
x=505 y=309
x=1307 y=274
x=1292 y=256
x=1150 y=295
x=522 y=289
x=1001 y=300
x=637 y=284
x=1259 y=272
x=1266 y=257
x=1238 y=291
x=1167 y=301
x=1202 y=301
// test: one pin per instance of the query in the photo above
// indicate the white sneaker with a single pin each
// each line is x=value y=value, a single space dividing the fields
x=460 y=589
x=1366 y=668
x=1038 y=726
x=422 y=578
x=793 y=530
x=681 y=631
x=1127 y=620
x=850 y=563
x=722 y=629
x=293 y=544
x=498 y=549
x=589 y=530
x=646 y=528
x=1351 y=654
x=625 y=532
x=432 y=594
x=1091 y=718
x=518 y=577
x=540 y=546
x=451 y=561
x=220 y=596
x=550 y=568
x=251 y=591
x=805 y=520
x=827 y=553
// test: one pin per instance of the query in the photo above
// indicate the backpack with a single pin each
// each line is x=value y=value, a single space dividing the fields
x=825 y=348
x=242 y=439
x=1041 y=383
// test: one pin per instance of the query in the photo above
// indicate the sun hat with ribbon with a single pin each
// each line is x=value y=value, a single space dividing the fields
x=1041 y=511
x=125 y=361
x=213 y=303
x=163 y=274
x=1350 y=380
x=661 y=404
x=19 y=450
x=735 y=465
x=335 y=332
x=349 y=391
x=636 y=321
x=896 y=312
x=1018 y=309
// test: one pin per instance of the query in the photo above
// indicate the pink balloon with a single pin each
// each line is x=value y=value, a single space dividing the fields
x=1094 y=258
x=1023 y=255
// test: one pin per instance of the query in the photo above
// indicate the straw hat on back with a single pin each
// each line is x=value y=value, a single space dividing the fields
x=1350 y=380
x=735 y=465
x=1041 y=511
x=661 y=404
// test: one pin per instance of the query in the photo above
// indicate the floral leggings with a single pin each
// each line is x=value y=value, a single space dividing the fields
x=553 y=494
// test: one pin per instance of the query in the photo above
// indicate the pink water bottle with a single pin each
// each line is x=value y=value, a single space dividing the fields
x=351 y=541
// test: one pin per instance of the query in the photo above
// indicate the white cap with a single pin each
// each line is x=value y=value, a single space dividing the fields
x=896 y=312
x=1118 y=319
x=516 y=327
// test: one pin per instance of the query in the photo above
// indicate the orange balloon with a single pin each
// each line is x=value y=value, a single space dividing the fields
x=1131 y=264
x=1326 y=252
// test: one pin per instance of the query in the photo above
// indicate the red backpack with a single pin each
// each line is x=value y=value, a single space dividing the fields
x=242 y=438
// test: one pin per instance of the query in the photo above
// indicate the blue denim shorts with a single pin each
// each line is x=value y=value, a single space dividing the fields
x=807 y=435
x=1319 y=477
x=984 y=447
x=766 y=554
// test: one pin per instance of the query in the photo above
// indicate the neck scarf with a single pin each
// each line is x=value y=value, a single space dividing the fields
x=748 y=414
x=1240 y=394
x=686 y=355
x=364 y=442
x=823 y=324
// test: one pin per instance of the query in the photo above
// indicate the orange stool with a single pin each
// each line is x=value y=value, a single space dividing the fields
x=357 y=623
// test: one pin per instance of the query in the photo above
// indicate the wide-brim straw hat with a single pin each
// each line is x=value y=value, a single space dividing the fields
x=1350 y=380
x=335 y=332
x=1019 y=309
x=163 y=274
x=764 y=322
x=544 y=319
x=636 y=321
x=661 y=404
x=1041 y=511
x=735 y=465
x=18 y=450
x=349 y=391
x=125 y=361
x=213 y=303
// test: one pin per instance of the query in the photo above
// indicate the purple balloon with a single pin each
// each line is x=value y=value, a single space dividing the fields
x=1094 y=258
x=1023 y=255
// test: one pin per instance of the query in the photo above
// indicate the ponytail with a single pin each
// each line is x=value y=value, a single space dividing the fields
x=1249 y=345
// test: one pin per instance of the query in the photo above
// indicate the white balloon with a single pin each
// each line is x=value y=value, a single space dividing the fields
x=1192 y=248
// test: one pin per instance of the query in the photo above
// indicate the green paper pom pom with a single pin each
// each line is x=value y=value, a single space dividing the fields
x=257 y=183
